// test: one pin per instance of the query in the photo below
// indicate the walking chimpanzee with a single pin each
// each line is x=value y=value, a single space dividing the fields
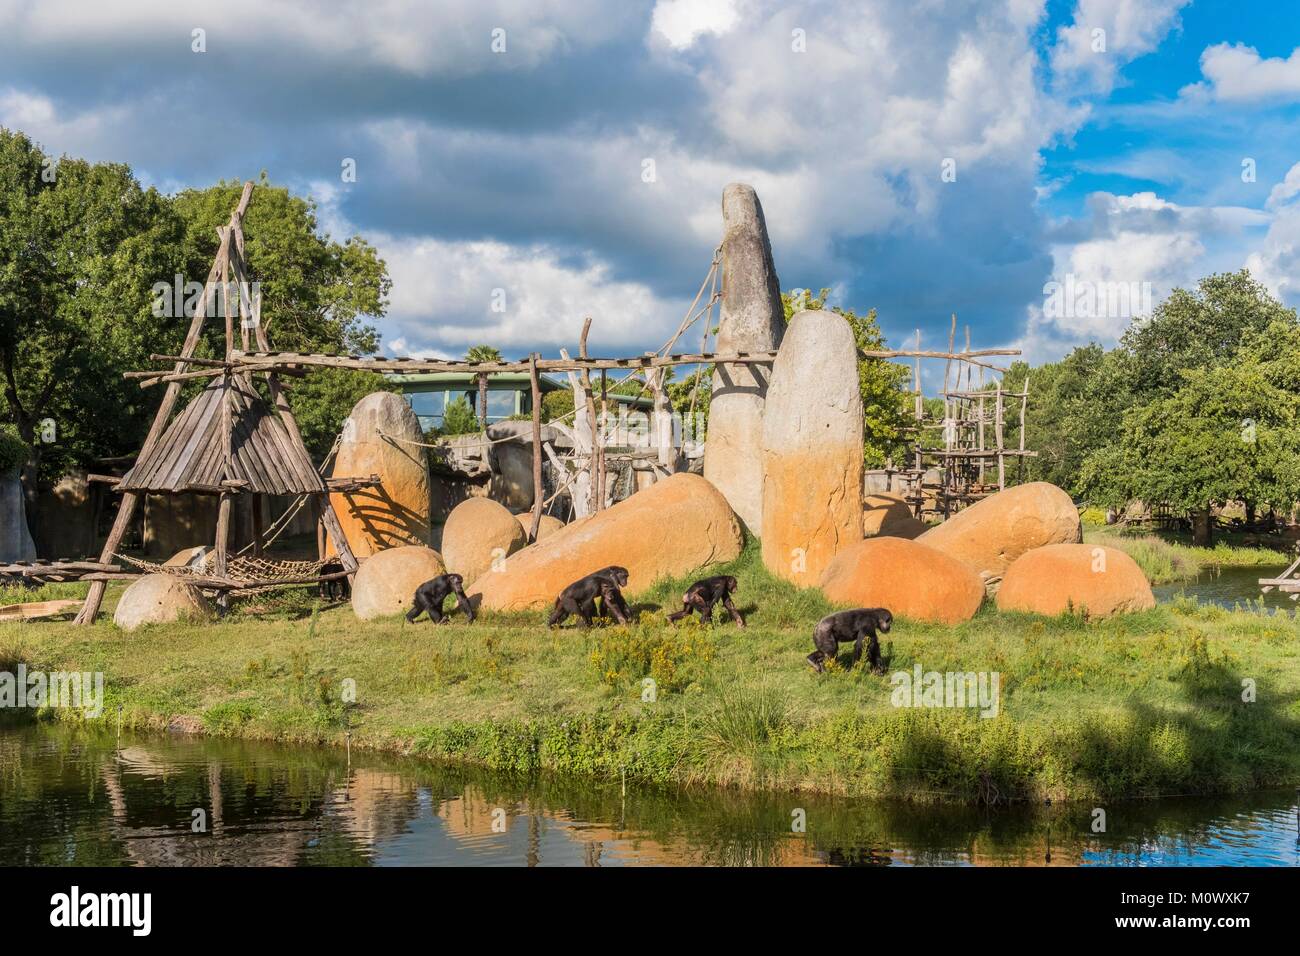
x=856 y=626
x=702 y=595
x=580 y=597
x=430 y=595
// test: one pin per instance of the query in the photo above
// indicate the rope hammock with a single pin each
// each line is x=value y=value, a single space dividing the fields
x=251 y=574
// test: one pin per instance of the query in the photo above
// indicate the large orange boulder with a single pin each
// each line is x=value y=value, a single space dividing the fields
x=386 y=582
x=812 y=449
x=992 y=533
x=478 y=532
x=378 y=439
x=889 y=516
x=1089 y=579
x=907 y=577
x=672 y=528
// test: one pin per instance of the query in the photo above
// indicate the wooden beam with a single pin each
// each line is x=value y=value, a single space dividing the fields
x=536 y=384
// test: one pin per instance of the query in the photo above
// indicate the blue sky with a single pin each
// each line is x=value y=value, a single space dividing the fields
x=1099 y=141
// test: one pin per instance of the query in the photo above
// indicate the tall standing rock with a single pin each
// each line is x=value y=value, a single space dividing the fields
x=812 y=449
x=751 y=321
x=377 y=440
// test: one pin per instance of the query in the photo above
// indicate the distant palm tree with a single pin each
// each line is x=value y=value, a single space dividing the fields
x=482 y=353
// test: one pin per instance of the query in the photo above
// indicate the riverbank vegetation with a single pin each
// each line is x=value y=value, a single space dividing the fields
x=1167 y=557
x=1141 y=705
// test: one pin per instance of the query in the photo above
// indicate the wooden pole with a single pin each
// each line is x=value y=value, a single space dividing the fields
x=604 y=434
x=585 y=376
x=259 y=534
x=538 y=495
x=126 y=508
x=330 y=520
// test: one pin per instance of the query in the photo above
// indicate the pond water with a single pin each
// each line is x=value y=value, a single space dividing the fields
x=71 y=798
x=1229 y=587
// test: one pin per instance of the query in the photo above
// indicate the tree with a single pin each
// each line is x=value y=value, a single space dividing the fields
x=884 y=402
x=458 y=418
x=1228 y=434
x=80 y=246
x=1209 y=367
x=317 y=294
x=482 y=353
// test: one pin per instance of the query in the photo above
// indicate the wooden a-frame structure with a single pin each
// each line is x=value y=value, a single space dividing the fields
x=227 y=441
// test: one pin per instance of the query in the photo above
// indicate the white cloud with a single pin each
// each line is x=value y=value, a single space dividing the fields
x=681 y=22
x=445 y=39
x=1127 y=29
x=446 y=293
x=1236 y=73
x=1128 y=255
x=1276 y=263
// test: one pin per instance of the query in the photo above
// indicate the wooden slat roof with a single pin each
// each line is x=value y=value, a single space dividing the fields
x=190 y=454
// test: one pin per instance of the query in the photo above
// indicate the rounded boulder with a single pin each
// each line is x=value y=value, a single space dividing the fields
x=907 y=577
x=479 y=531
x=1087 y=579
x=886 y=515
x=549 y=525
x=379 y=438
x=160 y=599
x=671 y=529
x=386 y=582
x=992 y=533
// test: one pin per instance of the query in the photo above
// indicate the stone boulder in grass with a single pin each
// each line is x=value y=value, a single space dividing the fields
x=886 y=515
x=907 y=577
x=1087 y=579
x=671 y=529
x=549 y=525
x=992 y=533
x=160 y=599
x=386 y=581
x=477 y=532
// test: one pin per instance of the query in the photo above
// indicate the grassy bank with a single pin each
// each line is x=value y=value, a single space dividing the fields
x=1168 y=557
x=1142 y=705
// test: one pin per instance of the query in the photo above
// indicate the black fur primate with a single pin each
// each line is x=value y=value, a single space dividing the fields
x=702 y=595
x=580 y=597
x=335 y=589
x=856 y=626
x=430 y=595
x=618 y=575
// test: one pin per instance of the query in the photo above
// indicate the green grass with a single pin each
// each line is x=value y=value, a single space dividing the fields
x=1140 y=705
x=1168 y=557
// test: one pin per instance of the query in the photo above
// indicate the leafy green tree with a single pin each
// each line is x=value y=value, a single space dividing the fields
x=458 y=419
x=482 y=353
x=556 y=404
x=81 y=245
x=317 y=294
x=1228 y=434
x=881 y=383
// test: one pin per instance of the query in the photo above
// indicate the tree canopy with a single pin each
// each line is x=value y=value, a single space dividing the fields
x=83 y=246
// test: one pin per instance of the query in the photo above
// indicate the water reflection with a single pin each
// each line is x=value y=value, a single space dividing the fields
x=1229 y=588
x=70 y=798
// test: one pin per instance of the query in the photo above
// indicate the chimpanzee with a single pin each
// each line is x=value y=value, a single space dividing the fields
x=430 y=595
x=618 y=575
x=580 y=597
x=336 y=588
x=856 y=626
x=702 y=595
